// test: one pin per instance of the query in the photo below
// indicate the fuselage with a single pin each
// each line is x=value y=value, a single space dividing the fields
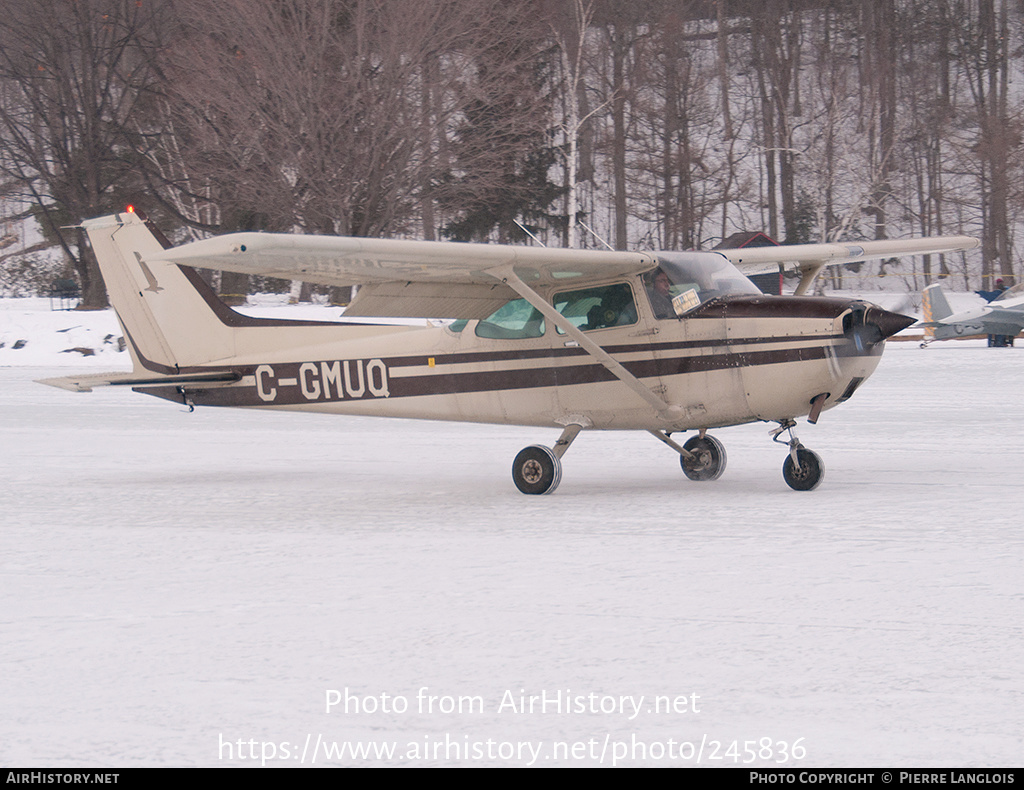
x=732 y=359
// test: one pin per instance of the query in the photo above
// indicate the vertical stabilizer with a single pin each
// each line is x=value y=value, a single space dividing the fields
x=167 y=313
x=934 y=307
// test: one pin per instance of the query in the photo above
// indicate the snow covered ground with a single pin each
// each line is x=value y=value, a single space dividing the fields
x=189 y=589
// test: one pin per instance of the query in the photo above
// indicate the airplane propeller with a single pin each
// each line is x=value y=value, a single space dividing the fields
x=908 y=303
x=867 y=325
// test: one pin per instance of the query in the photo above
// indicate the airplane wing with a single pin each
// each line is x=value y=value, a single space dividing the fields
x=404 y=278
x=452 y=280
x=810 y=259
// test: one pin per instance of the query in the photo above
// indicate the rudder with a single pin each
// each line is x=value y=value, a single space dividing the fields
x=934 y=304
x=169 y=323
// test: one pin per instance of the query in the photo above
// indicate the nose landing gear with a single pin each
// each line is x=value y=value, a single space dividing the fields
x=803 y=469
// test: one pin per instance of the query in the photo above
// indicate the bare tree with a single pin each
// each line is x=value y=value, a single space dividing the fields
x=570 y=22
x=326 y=115
x=76 y=75
x=924 y=43
x=983 y=51
x=776 y=36
x=626 y=26
x=497 y=153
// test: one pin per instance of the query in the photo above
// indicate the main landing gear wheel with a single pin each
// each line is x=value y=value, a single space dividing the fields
x=536 y=470
x=804 y=474
x=707 y=461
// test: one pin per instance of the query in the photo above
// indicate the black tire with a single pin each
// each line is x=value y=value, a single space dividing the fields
x=809 y=475
x=536 y=470
x=710 y=461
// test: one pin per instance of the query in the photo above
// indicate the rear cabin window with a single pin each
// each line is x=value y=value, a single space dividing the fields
x=597 y=308
x=512 y=321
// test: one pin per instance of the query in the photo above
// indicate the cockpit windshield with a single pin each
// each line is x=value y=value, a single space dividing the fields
x=685 y=280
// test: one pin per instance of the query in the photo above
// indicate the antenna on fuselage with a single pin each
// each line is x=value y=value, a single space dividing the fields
x=594 y=234
x=526 y=230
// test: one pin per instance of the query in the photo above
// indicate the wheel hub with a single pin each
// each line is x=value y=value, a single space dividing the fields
x=532 y=472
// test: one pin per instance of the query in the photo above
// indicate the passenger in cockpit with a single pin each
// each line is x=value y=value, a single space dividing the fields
x=616 y=308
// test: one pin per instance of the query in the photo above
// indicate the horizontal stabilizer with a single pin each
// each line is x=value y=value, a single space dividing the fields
x=87 y=382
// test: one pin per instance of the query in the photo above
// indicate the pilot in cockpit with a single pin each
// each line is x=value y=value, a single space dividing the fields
x=660 y=295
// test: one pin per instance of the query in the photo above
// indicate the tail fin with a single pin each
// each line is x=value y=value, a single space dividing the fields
x=934 y=307
x=178 y=331
x=169 y=315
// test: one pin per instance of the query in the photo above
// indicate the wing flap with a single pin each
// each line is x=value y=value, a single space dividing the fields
x=415 y=300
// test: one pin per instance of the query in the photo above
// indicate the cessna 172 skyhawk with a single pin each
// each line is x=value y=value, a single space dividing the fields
x=572 y=339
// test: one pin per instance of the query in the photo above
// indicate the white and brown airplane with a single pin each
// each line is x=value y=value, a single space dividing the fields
x=663 y=342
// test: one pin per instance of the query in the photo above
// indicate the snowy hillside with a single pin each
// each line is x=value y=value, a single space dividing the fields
x=32 y=333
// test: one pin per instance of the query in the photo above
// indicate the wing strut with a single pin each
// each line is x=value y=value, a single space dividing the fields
x=808 y=275
x=666 y=411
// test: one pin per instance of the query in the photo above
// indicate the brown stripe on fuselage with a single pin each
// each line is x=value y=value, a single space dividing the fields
x=437 y=383
x=487 y=381
x=574 y=351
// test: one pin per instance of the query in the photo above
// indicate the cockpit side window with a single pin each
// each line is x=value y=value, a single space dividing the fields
x=514 y=320
x=597 y=308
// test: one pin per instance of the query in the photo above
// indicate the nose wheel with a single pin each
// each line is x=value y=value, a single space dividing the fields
x=803 y=469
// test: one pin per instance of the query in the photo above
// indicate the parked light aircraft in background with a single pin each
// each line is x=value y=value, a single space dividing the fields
x=559 y=338
x=1002 y=319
